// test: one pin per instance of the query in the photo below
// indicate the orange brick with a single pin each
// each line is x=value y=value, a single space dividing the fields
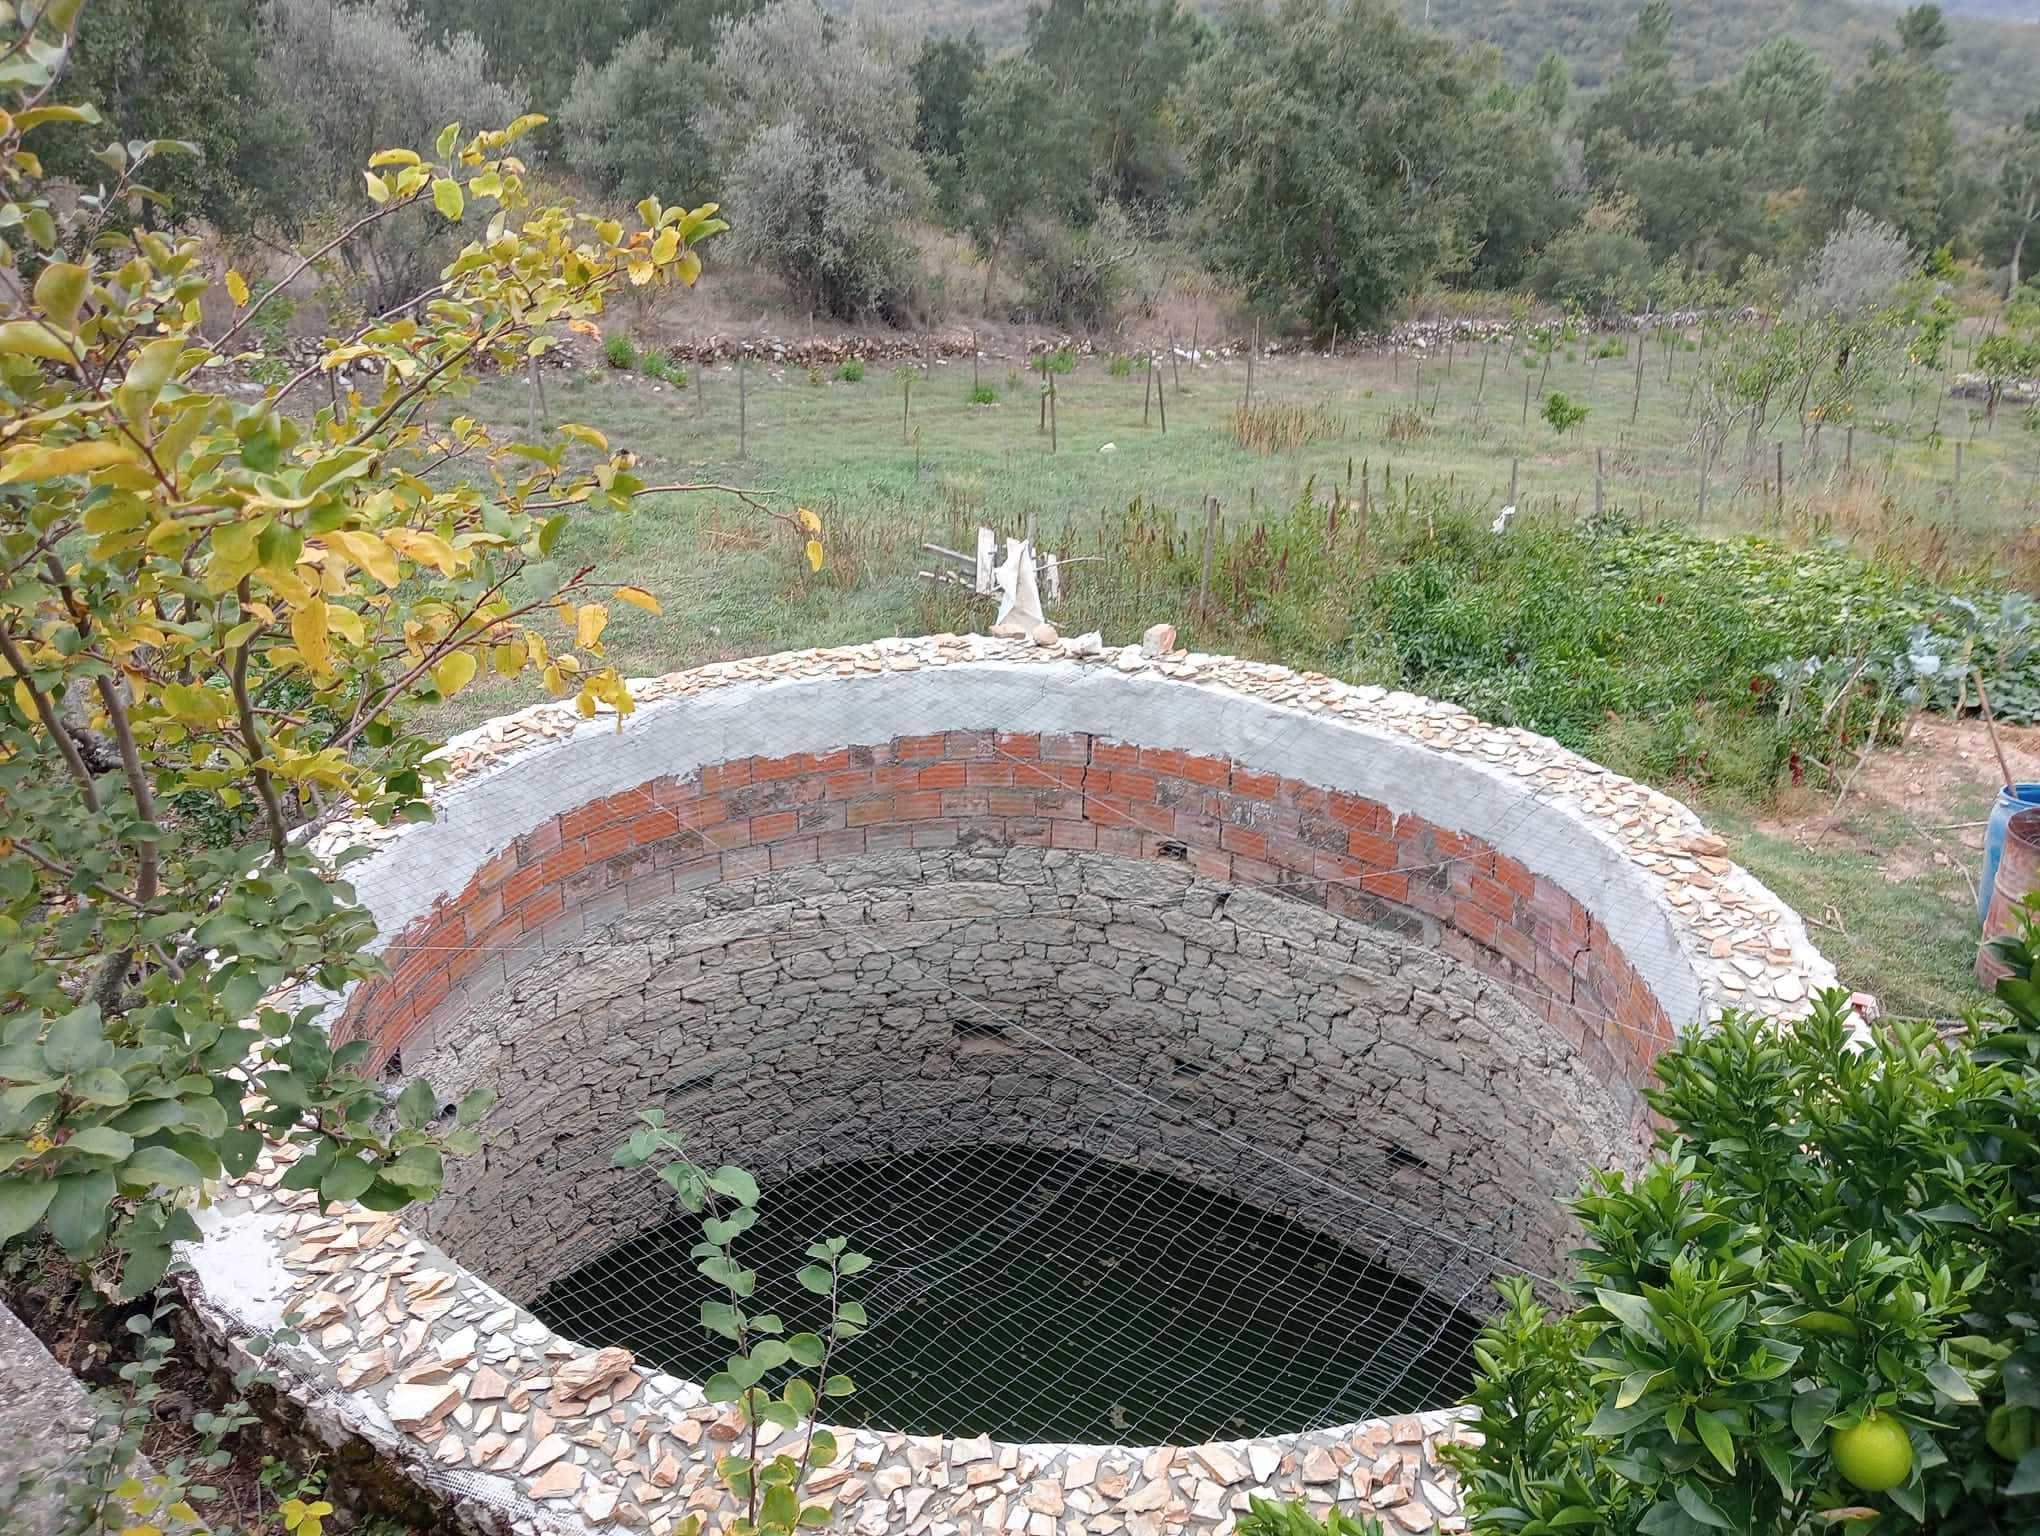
x=1213 y=771
x=1114 y=754
x=1018 y=743
x=612 y=840
x=1361 y=814
x=541 y=908
x=730 y=775
x=945 y=776
x=778 y=824
x=1132 y=786
x=1378 y=852
x=767 y=768
x=1164 y=760
x=1255 y=786
x=919 y=748
x=1240 y=840
x=849 y=786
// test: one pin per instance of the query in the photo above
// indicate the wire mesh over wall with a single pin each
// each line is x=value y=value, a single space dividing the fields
x=1064 y=1292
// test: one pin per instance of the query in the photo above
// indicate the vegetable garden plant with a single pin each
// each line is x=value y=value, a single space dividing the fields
x=1814 y=1310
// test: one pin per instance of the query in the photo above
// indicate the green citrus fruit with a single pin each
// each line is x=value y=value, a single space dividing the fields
x=1874 y=1453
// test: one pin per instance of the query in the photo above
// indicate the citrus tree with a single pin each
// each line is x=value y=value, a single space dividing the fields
x=217 y=613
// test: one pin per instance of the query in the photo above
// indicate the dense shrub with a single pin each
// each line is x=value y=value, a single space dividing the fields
x=1860 y=268
x=1600 y=271
x=1839 y=1229
x=850 y=371
x=1074 y=277
x=619 y=351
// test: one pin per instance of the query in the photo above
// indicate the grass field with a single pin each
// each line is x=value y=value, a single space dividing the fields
x=901 y=458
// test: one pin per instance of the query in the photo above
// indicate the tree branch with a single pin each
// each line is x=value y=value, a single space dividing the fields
x=51 y=724
x=251 y=736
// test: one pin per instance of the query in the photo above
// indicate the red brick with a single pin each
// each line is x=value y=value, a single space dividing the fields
x=528 y=879
x=1116 y=837
x=945 y=776
x=768 y=768
x=541 y=839
x=745 y=863
x=1255 y=786
x=727 y=835
x=1164 y=760
x=1152 y=818
x=837 y=844
x=1132 y=786
x=1066 y=747
x=923 y=805
x=778 y=824
x=988 y=775
x=869 y=813
x=612 y=840
x=1361 y=814
x=720 y=776
x=794 y=851
x=1474 y=919
x=1212 y=771
x=1291 y=853
x=1376 y=852
x=696 y=873
x=966 y=802
x=1028 y=832
x=849 y=786
x=1010 y=802
x=1018 y=743
x=1212 y=864
x=1066 y=805
x=496 y=869
x=1240 y=840
x=592 y=817
x=1073 y=834
x=961 y=746
x=907 y=749
x=1514 y=943
x=1492 y=894
x=541 y=908
x=1114 y=754
x=1393 y=886
x=1516 y=875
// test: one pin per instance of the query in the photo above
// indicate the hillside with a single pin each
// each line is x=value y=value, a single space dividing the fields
x=1996 y=63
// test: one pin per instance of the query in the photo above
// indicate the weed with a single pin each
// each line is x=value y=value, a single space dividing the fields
x=1405 y=424
x=1561 y=414
x=1277 y=427
x=618 y=351
x=983 y=394
x=814 y=376
x=850 y=371
x=1120 y=366
x=653 y=365
x=1061 y=360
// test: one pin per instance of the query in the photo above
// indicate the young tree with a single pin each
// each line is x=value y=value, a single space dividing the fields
x=1117 y=65
x=946 y=75
x=2016 y=215
x=1022 y=158
x=231 y=606
x=1886 y=143
x=1330 y=149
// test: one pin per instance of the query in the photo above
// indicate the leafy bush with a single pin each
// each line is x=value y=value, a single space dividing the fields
x=653 y=364
x=619 y=351
x=1061 y=360
x=1838 y=1230
x=1599 y=271
x=1861 y=267
x=1562 y=414
x=850 y=371
x=626 y=124
x=983 y=394
x=1075 y=277
x=1120 y=365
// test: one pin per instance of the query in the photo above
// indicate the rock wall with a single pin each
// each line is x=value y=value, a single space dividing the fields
x=1352 y=1077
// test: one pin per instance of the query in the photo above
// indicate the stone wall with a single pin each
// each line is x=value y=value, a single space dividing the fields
x=1355 y=1078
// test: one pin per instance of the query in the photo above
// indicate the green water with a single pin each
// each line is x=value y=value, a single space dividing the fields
x=1052 y=1295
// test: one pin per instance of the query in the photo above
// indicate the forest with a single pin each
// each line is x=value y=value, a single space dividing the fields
x=1109 y=129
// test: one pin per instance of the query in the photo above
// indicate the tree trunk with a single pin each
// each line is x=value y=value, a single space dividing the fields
x=2018 y=250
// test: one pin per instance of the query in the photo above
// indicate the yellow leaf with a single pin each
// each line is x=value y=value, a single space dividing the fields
x=237 y=288
x=447 y=198
x=667 y=246
x=60 y=291
x=507 y=658
x=807 y=519
x=383 y=157
x=36 y=339
x=588 y=435
x=345 y=621
x=308 y=628
x=367 y=551
x=589 y=624
x=79 y=458
x=426 y=548
x=454 y=673
x=688 y=269
x=815 y=554
x=641 y=271
x=638 y=597
x=378 y=189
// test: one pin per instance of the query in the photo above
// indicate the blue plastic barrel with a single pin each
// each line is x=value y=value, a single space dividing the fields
x=2013 y=797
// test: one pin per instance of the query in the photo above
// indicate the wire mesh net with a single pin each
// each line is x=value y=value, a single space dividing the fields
x=1061 y=1292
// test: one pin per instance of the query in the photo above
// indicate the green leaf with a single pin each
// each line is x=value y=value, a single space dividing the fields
x=719 y=1317
x=79 y=1213
x=346 y=1180
x=779 y=1509
x=1950 y=1383
x=417 y=1104
x=1810 y=1413
x=2026 y=1475
x=77 y=1041
x=770 y=1354
x=735 y=1183
x=476 y=1103
x=722 y=1387
x=806 y=1348
x=1714 y=1434
x=22 y=1203
x=838 y=1386
x=160 y=1168
x=448 y=199
x=60 y=292
x=239 y=1149
x=104 y=1086
x=102 y=1141
x=1632 y=1312
x=1694 y=1501
x=815 y=1278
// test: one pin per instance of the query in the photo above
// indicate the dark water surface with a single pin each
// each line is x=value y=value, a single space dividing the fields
x=1052 y=1295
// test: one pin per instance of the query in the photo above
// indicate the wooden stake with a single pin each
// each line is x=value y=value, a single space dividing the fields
x=743 y=439
x=1636 y=390
x=1599 y=470
x=973 y=361
x=1051 y=413
x=1781 y=484
x=906 y=406
x=1175 y=371
x=1147 y=389
x=1526 y=399
x=1480 y=388
x=1514 y=466
x=1162 y=401
x=1254 y=347
x=1210 y=546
